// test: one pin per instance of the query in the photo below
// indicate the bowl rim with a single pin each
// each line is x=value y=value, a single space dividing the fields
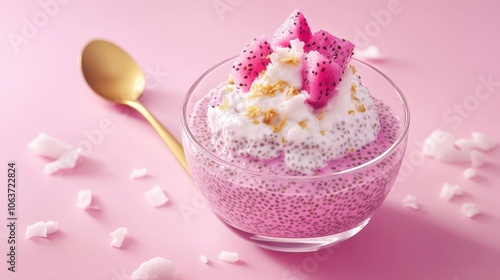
x=400 y=139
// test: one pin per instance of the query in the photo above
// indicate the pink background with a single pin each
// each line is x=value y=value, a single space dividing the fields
x=436 y=51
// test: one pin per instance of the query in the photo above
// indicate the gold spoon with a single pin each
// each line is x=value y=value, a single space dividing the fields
x=115 y=76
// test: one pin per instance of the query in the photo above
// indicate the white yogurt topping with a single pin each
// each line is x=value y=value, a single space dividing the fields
x=273 y=119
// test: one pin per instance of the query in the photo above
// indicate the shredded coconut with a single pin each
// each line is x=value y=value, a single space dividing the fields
x=155 y=269
x=410 y=201
x=67 y=160
x=156 y=196
x=470 y=173
x=443 y=146
x=477 y=158
x=203 y=259
x=440 y=145
x=448 y=191
x=51 y=227
x=138 y=173
x=230 y=257
x=85 y=199
x=118 y=235
x=470 y=210
x=479 y=141
x=41 y=229
x=48 y=146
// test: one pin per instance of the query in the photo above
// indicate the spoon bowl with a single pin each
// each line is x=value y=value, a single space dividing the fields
x=114 y=75
x=111 y=72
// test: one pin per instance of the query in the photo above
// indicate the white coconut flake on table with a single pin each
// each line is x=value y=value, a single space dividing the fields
x=371 y=52
x=85 y=200
x=230 y=257
x=410 y=201
x=470 y=210
x=48 y=146
x=477 y=158
x=441 y=146
x=156 y=196
x=51 y=227
x=118 y=235
x=41 y=229
x=204 y=259
x=67 y=160
x=448 y=191
x=37 y=229
x=138 y=173
x=155 y=269
x=478 y=141
x=470 y=173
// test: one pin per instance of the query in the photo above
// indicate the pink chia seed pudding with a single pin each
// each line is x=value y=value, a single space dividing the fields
x=271 y=172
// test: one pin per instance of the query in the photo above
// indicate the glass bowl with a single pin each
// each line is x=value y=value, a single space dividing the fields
x=297 y=213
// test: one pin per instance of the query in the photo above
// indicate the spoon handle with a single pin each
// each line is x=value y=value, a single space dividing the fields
x=171 y=142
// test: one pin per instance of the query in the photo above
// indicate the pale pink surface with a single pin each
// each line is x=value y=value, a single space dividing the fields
x=437 y=52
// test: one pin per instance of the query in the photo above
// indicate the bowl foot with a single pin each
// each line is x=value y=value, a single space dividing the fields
x=285 y=244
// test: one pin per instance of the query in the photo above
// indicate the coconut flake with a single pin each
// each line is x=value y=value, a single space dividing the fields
x=410 y=201
x=118 y=235
x=483 y=142
x=479 y=141
x=138 y=173
x=155 y=269
x=84 y=199
x=48 y=146
x=41 y=229
x=36 y=229
x=369 y=53
x=230 y=257
x=156 y=196
x=476 y=158
x=448 y=191
x=470 y=210
x=441 y=146
x=67 y=160
x=470 y=173
x=203 y=259
x=51 y=227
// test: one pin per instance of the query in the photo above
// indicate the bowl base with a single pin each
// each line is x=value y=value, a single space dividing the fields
x=283 y=244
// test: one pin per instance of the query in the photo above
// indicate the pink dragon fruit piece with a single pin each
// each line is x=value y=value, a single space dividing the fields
x=295 y=27
x=333 y=48
x=320 y=78
x=252 y=60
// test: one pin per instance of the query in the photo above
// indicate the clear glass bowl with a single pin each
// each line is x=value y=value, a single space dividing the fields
x=296 y=213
